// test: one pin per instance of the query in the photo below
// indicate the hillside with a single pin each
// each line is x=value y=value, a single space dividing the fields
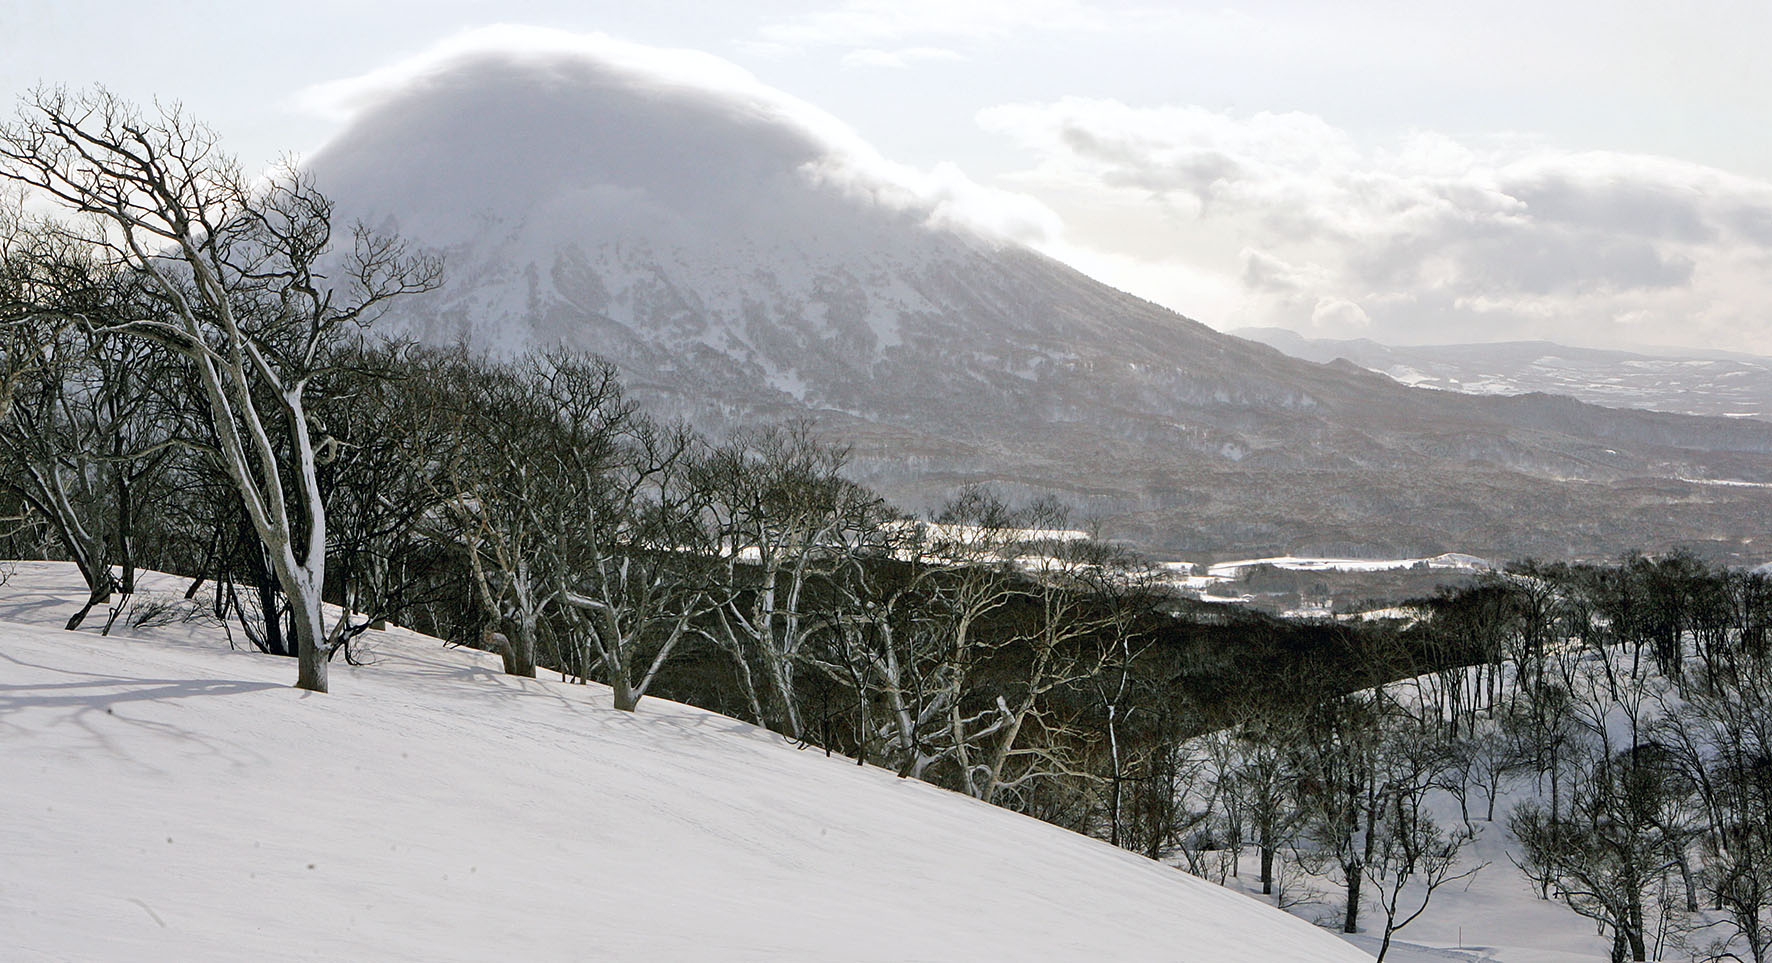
x=744 y=258
x=169 y=798
x=1687 y=382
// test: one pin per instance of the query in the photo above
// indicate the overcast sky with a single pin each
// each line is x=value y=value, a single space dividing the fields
x=1590 y=172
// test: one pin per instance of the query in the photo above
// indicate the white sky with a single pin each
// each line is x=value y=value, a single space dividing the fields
x=1589 y=172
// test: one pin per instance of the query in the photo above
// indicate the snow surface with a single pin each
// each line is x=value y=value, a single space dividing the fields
x=167 y=798
x=1452 y=561
x=1495 y=916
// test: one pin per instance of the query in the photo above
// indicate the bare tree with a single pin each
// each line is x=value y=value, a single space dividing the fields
x=1412 y=856
x=1721 y=737
x=1263 y=771
x=84 y=429
x=1065 y=637
x=965 y=580
x=247 y=303
x=48 y=441
x=785 y=519
x=384 y=558
x=1339 y=790
x=639 y=560
x=501 y=505
x=1608 y=850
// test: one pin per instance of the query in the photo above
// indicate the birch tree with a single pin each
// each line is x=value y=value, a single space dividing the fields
x=245 y=298
x=1065 y=637
x=980 y=646
x=784 y=519
x=637 y=557
x=912 y=635
x=83 y=428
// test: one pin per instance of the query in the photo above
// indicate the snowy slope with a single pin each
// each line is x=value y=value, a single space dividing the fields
x=1451 y=561
x=1495 y=916
x=165 y=798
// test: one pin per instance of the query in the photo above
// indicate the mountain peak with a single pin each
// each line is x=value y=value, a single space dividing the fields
x=611 y=138
x=741 y=255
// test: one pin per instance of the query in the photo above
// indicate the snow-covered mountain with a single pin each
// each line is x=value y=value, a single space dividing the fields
x=168 y=797
x=1688 y=382
x=743 y=256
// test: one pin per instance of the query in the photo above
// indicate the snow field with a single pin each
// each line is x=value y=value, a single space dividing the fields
x=165 y=798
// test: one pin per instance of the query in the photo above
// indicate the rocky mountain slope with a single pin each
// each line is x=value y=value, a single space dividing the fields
x=742 y=257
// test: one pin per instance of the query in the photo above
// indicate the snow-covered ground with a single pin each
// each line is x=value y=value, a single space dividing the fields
x=165 y=798
x=1496 y=915
x=1451 y=561
x=1186 y=575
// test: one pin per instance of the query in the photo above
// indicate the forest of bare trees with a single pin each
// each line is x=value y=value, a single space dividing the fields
x=190 y=382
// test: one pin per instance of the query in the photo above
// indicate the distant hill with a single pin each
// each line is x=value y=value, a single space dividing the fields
x=1722 y=384
x=742 y=259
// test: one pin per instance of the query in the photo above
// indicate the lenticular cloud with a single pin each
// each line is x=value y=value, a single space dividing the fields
x=506 y=122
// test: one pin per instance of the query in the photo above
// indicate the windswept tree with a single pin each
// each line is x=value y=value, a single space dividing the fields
x=245 y=295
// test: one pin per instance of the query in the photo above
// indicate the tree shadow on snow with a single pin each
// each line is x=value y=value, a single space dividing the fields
x=98 y=691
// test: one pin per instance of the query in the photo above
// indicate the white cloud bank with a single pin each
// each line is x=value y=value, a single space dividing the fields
x=669 y=130
x=901 y=58
x=1282 y=218
x=872 y=24
x=1270 y=218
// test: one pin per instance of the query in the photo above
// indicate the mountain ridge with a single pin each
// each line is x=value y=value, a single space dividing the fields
x=1682 y=381
x=738 y=268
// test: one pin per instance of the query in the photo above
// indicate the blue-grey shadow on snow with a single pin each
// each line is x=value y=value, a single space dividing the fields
x=483 y=683
x=96 y=691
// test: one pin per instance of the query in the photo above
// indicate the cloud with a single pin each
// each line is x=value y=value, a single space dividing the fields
x=1424 y=237
x=1337 y=315
x=961 y=201
x=1268 y=274
x=667 y=133
x=876 y=24
x=899 y=59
